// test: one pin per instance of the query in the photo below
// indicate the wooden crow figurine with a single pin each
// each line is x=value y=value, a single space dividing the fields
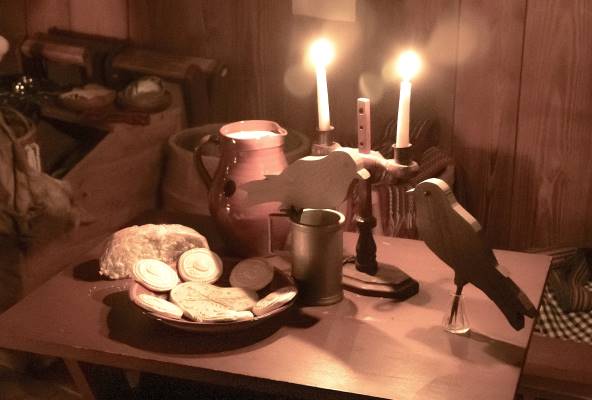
x=456 y=238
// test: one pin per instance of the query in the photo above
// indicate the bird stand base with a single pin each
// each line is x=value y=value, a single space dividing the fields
x=388 y=282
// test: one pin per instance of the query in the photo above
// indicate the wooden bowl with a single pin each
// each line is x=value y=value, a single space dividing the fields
x=145 y=102
x=75 y=102
x=149 y=101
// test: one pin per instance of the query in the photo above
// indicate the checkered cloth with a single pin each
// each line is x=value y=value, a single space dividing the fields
x=563 y=316
x=553 y=322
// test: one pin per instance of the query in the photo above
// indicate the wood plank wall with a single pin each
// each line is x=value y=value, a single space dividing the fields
x=509 y=82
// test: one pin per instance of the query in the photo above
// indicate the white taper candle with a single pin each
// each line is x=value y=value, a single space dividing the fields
x=402 y=139
x=323 y=98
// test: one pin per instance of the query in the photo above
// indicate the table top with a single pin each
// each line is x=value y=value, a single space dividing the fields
x=360 y=347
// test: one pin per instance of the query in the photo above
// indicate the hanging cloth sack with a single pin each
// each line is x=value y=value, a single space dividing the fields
x=34 y=207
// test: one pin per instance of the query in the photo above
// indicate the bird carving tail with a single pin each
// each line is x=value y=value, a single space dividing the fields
x=510 y=299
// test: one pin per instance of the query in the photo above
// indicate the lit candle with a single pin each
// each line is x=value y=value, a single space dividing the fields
x=321 y=54
x=408 y=65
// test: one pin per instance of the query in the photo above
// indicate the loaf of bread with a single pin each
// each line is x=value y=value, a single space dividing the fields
x=161 y=242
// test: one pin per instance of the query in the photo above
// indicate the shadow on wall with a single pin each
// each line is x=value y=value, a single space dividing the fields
x=492 y=190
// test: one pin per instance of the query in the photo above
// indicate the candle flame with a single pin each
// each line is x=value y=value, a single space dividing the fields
x=408 y=64
x=321 y=52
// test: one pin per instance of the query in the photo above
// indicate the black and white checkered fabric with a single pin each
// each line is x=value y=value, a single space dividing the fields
x=554 y=322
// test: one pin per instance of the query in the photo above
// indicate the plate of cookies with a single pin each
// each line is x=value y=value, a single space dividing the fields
x=205 y=294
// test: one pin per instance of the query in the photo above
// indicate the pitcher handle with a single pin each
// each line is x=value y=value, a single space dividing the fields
x=198 y=162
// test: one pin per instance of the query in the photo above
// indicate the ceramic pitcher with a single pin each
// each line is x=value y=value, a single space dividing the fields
x=250 y=150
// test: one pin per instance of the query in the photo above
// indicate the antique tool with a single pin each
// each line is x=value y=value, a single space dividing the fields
x=362 y=273
x=456 y=238
x=323 y=182
x=369 y=277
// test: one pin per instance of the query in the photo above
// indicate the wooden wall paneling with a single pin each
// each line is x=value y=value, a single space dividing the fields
x=256 y=55
x=13 y=28
x=431 y=27
x=552 y=180
x=486 y=107
x=180 y=28
x=105 y=17
x=45 y=14
x=342 y=73
x=171 y=27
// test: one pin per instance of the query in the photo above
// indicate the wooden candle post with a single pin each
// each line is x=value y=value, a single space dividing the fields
x=364 y=132
x=366 y=246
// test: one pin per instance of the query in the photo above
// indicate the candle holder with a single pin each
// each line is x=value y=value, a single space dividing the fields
x=403 y=157
x=363 y=273
x=323 y=143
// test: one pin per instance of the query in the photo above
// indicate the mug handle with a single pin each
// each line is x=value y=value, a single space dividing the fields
x=270 y=247
x=198 y=162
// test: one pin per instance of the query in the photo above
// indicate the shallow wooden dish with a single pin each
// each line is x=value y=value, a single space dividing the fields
x=81 y=104
x=145 y=102
x=280 y=279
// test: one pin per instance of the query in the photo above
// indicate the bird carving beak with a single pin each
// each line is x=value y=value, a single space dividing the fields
x=410 y=191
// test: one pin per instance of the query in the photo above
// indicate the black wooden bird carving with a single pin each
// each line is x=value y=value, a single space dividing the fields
x=455 y=236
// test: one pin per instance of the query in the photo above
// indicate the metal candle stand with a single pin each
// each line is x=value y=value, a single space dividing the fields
x=324 y=143
x=362 y=273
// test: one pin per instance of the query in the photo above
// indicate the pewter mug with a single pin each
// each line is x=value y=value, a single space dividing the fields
x=316 y=248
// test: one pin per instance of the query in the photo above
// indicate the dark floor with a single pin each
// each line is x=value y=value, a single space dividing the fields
x=49 y=382
x=42 y=378
x=39 y=378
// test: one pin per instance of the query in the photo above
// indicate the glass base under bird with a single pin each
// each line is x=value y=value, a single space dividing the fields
x=455 y=319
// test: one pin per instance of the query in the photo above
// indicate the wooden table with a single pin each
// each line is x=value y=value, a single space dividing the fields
x=361 y=347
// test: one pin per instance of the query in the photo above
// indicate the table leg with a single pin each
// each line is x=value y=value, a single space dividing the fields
x=96 y=382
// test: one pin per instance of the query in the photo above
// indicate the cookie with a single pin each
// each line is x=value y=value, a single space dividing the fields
x=158 y=306
x=252 y=273
x=238 y=299
x=274 y=300
x=155 y=275
x=231 y=298
x=200 y=265
x=191 y=291
x=202 y=310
